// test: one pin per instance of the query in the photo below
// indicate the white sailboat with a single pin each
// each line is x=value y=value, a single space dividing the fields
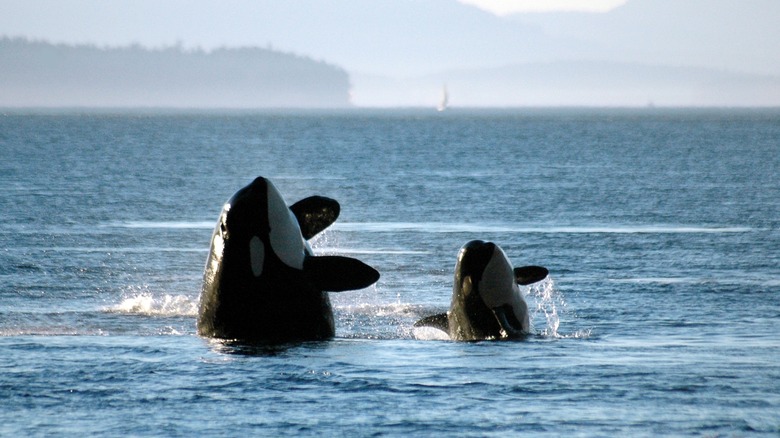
x=444 y=101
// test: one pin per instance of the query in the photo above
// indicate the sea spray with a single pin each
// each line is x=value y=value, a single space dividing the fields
x=551 y=305
x=548 y=299
x=149 y=304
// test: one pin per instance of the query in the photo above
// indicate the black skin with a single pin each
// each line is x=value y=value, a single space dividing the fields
x=284 y=303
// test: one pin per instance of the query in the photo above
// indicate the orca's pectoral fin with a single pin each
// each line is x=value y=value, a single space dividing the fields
x=438 y=321
x=526 y=275
x=508 y=321
x=314 y=214
x=336 y=273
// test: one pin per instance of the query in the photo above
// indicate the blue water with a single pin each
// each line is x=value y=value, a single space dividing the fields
x=661 y=230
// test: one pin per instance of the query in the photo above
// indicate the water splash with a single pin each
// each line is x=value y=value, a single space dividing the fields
x=148 y=304
x=325 y=242
x=547 y=299
x=550 y=305
x=429 y=334
x=375 y=320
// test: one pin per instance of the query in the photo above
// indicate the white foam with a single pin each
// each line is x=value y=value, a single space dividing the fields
x=579 y=334
x=145 y=303
x=379 y=310
x=429 y=334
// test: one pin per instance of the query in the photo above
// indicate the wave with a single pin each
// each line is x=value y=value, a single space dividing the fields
x=377 y=321
x=452 y=227
x=308 y=177
x=446 y=227
x=660 y=280
x=334 y=250
x=99 y=321
x=358 y=320
x=49 y=331
x=113 y=249
x=390 y=309
x=86 y=331
x=730 y=280
x=178 y=225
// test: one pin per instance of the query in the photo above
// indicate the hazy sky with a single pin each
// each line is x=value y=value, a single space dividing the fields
x=506 y=7
x=411 y=38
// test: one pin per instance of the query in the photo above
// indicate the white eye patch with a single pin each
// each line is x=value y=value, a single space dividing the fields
x=256 y=255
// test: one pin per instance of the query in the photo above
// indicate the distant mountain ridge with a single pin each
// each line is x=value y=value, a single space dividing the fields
x=42 y=74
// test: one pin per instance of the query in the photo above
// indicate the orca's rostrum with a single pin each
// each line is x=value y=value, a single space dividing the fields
x=262 y=281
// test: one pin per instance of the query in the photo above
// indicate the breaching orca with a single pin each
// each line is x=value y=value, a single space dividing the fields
x=486 y=302
x=262 y=281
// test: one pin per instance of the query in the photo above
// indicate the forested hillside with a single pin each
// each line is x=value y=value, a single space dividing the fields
x=44 y=74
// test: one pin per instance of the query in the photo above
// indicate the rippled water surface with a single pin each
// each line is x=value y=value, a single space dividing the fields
x=660 y=229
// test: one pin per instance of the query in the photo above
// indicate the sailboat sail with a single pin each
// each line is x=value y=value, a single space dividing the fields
x=444 y=101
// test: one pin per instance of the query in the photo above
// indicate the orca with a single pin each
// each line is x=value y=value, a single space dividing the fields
x=262 y=282
x=486 y=302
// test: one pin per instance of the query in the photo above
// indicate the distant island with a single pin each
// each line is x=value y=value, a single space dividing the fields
x=41 y=74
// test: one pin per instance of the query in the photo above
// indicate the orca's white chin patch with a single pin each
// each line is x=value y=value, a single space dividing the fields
x=286 y=238
x=498 y=288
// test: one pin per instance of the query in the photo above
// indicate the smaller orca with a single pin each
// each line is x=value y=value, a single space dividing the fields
x=486 y=302
x=262 y=281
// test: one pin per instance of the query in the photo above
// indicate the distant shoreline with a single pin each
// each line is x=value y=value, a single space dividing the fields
x=41 y=74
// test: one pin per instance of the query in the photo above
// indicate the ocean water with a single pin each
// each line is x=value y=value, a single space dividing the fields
x=660 y=228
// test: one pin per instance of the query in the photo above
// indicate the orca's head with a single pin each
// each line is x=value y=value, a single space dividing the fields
x=258 y=217
x=485 y=291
